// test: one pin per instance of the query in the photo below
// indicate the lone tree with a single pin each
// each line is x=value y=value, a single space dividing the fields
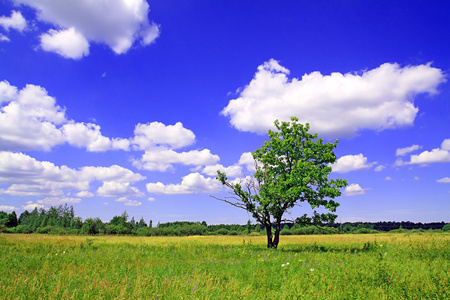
x=293 y=166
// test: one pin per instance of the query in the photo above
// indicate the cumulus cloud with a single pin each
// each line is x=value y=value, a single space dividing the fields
x=247 y=160
x=438 y=155
x=156 y=134
x=192 y=183
x=406 y=150
x=15 y=21
x=116 y=23
x=379 y=168
x=31 y=206
x=354 y=189
x=30 y=119
x=90 y=137
x=7 y=208
x=128 y=202
x=446 y=145
x=349 y=163
x=163 y=159
x=118 y=189
x=444 y=180
x=231 y=171
x=335 y=105
x=68 y=43
x=27 y=176
x=4 y=38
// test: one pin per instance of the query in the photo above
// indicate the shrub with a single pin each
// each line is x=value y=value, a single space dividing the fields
x=222 y=231
x=232 y=232
x=446 y=227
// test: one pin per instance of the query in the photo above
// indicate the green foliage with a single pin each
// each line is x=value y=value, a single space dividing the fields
x=292 y=166
x=446 y=227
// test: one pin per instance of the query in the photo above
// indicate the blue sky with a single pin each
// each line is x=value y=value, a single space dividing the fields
x=133 y=105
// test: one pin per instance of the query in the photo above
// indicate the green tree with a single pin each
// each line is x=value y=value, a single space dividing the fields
x=293 y=166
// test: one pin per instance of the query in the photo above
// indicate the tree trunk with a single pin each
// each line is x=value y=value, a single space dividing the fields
x=269 y=236
x=276 y=239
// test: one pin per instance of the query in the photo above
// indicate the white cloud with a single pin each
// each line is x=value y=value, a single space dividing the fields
x=406 y=150
x=446 y=145
x=68 y=43
x=336 y=104
x=231 y=171
x=7 y=208
x=433 y=156
x=162 y=159
x=89 y=136
x=151 y=135
x=53 y=201
x=118 y=189
x=388 y=178
x=116 y=23
x=16 y=21
x=31 y=206
x=247 y=160
x=4 y=38
x=114 y=173
x=29 y=177
x=85 y=194
x=444 y=180
x=30 y=119
x=354 y=189
x=192 y=183
x=379 y=168
x=128 y=202
x=349 y=163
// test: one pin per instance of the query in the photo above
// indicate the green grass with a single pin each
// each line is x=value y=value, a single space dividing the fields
x=381 y=266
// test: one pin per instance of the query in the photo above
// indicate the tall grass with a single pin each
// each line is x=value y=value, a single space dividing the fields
x=382 y=266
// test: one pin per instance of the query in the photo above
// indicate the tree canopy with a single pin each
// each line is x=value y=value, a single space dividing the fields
x=292 y=166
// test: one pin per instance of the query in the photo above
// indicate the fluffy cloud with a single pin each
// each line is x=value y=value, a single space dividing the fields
x=247 y=160
x=231 y=171
x=163 y=159
x=192 y=183
x=16 y=21
x=116 y=23
x=28 y=177
x=336 y=104
x=446 y=145
x=118 y=189
x=444 y=180
x=150 y=135
x=406 y=150
x=68 y=43
x=349 y=163
x=379 y=168
x=128 y=202
x=7 y=208
x=30 y=119
x=354 y=189
x=437 y=155
x=31 y=206
x=90 y=137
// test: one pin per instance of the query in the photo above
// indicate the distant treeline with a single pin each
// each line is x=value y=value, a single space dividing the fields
x=62 y=220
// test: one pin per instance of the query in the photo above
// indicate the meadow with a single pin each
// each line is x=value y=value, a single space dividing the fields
x=371 y=266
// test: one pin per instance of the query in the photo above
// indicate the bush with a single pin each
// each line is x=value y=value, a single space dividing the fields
x=446 y=227
x=23 y=229
x=232 y=232
x=222 y=231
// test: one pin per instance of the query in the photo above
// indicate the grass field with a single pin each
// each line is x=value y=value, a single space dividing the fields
x=380 y=266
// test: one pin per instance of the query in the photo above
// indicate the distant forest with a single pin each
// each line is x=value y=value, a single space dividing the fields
x=62 y=220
